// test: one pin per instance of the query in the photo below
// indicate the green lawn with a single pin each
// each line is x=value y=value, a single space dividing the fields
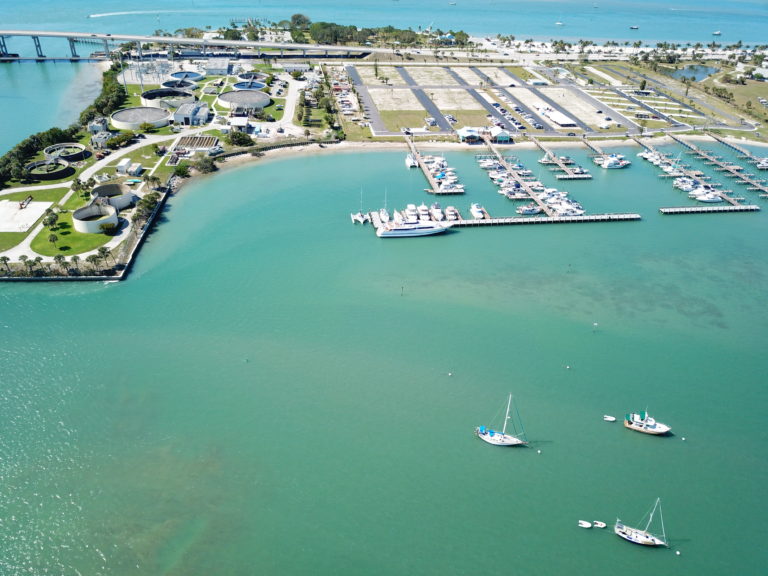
x=10 y=239
x=70 y=241
x=52 y=195
x=396 y=119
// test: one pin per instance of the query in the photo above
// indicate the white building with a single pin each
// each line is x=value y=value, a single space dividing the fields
x=123 y=165
x=191 y=114
x=217 y=67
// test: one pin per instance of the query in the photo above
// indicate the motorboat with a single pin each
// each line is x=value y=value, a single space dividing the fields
x=424 y=212
x=609 y=418
x=411 y=213
x=528 y=209
x=598 y=524
x=436 y=212
x=642 y=422
x=410 y=229
x=411 y=162
x=585 y=524
x=710 y=198
x=612 y=161
x=451 y=214
x=477 y=211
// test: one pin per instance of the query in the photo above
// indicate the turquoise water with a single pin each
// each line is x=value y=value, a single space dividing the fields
x=696 y=72
x=35 y=97
x=275 y=390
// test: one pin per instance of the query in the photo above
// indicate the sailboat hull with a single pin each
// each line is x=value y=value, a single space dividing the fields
x=497 y=438
x=637 y=536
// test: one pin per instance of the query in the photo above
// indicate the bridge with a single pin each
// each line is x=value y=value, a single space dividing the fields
x=206 y=45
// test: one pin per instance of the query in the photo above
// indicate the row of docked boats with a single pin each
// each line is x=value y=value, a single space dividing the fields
x=444 y=175
x=415 y=220
x=515 y=183
x=697 y=190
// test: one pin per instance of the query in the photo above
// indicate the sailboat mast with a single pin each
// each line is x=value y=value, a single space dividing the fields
x=509 y=402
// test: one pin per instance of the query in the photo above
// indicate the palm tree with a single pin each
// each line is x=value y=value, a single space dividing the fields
x=104 y=252
x=23 y=258
x=93 y=259
x=52 y=238
x=60 y=259
x=39 y=261
x=75 y=260
x=5 y=260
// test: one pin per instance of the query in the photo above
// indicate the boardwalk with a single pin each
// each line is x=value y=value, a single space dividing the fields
x=434 y=186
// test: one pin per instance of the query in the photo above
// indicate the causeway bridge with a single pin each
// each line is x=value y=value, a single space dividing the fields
x=206 y=46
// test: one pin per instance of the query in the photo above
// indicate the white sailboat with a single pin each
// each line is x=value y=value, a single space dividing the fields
x=502 y=438
x=643 y=537
x=360 y=217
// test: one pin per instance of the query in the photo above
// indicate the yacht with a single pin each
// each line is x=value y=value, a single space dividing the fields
x=410 y=161
x=716 y=33
x=411 y=213
x=451 y=214
x=410 y=229
x=642 y=422
x=529 y=209
x=634 y=27
x=424 y=212
x=477 y=211
x=612 y=161
x=436 y=212
x=762 y=164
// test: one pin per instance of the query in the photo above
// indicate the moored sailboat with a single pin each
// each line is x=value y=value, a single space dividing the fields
x=643 y=537
x=502 y=438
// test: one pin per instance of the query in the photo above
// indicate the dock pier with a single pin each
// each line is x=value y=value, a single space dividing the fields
x=568 y=172
x=525 y=185
x=726 y=167
x=434 y=187
x=743 y=151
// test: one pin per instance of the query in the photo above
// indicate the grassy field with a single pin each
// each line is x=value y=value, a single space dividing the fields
x=70 y=241
x=396 y=119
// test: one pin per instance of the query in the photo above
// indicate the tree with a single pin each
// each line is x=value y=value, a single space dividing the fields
x=300 y=21
x=205 y=164
x=59 y=259
x=76 y=261
x=52 y=238
x=92 y=260
x=182 y=170
x=4 y=260
x=237 y=138
x=147 y=127
x=104 y=253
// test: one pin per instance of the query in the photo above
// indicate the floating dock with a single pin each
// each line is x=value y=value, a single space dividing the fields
x=708 y=209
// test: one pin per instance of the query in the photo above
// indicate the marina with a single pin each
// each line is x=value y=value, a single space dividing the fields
x=569 y=172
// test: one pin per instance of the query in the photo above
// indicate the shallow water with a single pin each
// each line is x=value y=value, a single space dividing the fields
x=277 y=390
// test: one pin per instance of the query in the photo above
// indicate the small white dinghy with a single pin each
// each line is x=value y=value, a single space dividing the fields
x=585 y=524
x=608 y=418
x=598 y=524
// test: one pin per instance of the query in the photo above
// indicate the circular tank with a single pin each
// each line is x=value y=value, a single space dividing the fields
x=118 y=195
x=187 y=75
x=251 y=76
x=53 y=169
x=89 y=220
x=167 y=98
x=252 y=99
x=249 y=85
x=132 y=118
x=69 y=151
x=180 y=84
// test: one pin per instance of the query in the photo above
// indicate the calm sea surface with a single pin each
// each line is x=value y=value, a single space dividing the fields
x=277 y=391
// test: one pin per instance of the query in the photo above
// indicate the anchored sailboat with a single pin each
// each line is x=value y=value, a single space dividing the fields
x=643 y=537
x=502 y=438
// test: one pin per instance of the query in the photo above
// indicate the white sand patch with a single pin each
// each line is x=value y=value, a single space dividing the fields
x=454 y=99
x=368 y=75
x=394 y=99
x=573 y=104
x=431 y=76
x=467 y=75
x=613 y=81
x=14 y=219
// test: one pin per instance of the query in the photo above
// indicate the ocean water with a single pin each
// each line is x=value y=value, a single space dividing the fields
x=277 y=391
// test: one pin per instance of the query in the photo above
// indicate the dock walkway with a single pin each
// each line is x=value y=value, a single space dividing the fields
x=705 y=209
x=525 y=184
x=735 y=171
x=568 y=172
x=434 y=187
